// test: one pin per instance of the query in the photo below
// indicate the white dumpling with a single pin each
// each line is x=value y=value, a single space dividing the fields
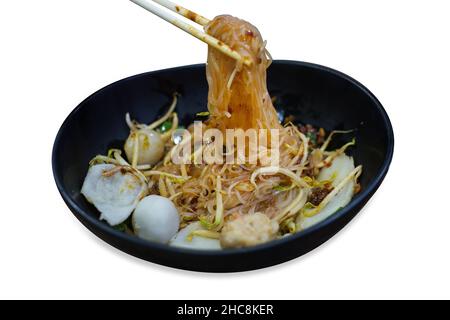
x=150 y=145
x=156 y=219
x=183 y=240
x=341 y=167
x=115 y=196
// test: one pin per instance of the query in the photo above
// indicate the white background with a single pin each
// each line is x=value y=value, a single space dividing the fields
x=53 y=54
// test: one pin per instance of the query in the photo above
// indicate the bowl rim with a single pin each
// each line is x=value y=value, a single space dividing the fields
x=356 y=201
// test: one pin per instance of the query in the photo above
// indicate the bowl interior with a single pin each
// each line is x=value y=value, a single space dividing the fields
x=312 y=94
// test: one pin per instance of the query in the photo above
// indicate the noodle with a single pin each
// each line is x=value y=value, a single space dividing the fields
x=237 y=90
x=215 y=194
x=238 y=98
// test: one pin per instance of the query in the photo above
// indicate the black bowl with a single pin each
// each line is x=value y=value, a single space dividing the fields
x=313 y=94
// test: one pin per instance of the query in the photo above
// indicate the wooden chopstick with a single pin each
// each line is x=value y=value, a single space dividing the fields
x=191 y=15
x=213 y=42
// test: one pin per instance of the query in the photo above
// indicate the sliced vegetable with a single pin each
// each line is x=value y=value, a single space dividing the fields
x=218 y=219
x=166 y=126
x=284 y=188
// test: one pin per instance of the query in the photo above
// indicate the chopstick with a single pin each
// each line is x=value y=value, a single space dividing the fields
x=191 y=15
x=213 y=42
